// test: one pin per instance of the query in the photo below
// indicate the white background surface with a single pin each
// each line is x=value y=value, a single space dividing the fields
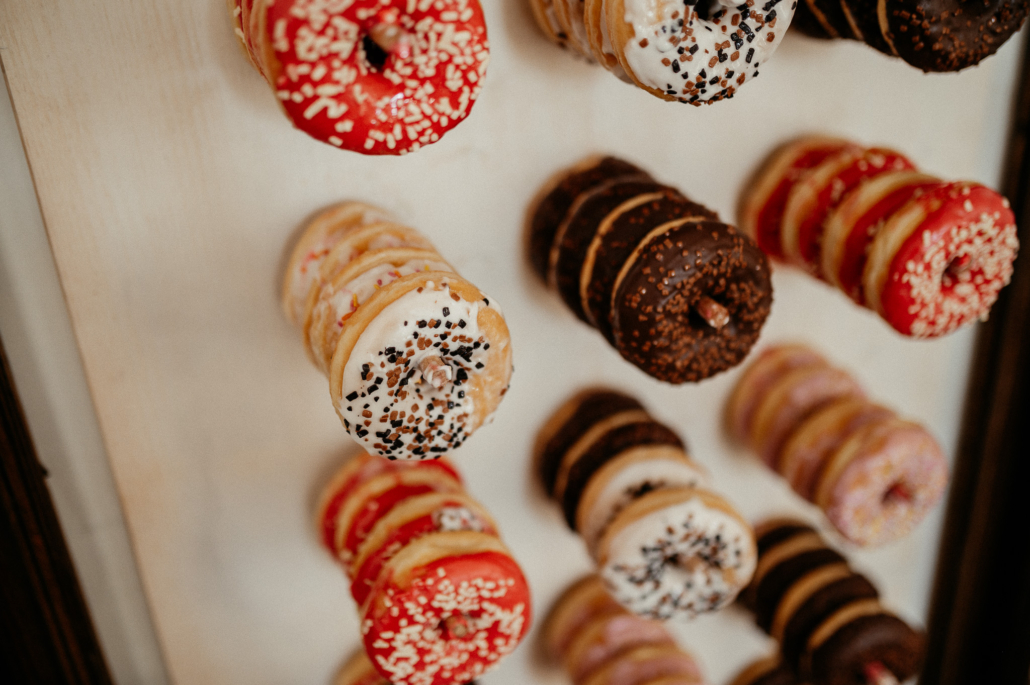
x=170 y=185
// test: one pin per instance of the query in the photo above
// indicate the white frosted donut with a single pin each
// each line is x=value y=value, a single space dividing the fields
x=677 y=552
x=695 y=52
x=625 y=477
x=377 y=375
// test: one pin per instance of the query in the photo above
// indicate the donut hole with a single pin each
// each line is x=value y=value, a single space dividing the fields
x=898 y=493
x=374 y=55
x=960 y=264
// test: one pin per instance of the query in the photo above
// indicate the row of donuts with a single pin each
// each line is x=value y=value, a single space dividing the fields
x=439 y=597
x=389 y=77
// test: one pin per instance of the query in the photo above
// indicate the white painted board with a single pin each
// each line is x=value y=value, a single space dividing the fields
x=170 y=184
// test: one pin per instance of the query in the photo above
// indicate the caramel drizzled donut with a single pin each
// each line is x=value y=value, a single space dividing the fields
x=679 y=294
x=439 y=596
x=665 y=545
x=873 y=475
x=417 y=357
x=687 y=52
x=931 y=35
x=827 y=619
x=378 y=77
x=928 y=256
x=600 y=643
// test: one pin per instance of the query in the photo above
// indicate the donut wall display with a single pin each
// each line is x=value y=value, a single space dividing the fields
x=927 y=255
x=874 y=475
x=598 y=642
x=417 y=357
x=684 y=52
x=379 y=77
x=666 y=546
x=680 y=294
x=439 y=597
x=826 y=618
x=933 y=36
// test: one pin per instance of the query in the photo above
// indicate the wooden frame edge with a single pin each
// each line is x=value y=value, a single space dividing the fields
x=979 y=626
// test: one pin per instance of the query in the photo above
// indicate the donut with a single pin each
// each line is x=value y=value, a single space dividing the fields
x=851 y=226
x=790 y=399
x=569 y=424
x=676 y=551
x=606 y=637
x=768 y=671
x=858 y=637
x=417 y=357
x=433 y=512
x=882 y=481
x=600 y=235
x=445 y=609
x=814 y=197
x=659 y=297
x=940 y=261
x=762 y=207
x=625 y=477
x=769 y=365
x=813 y=597
x=574 y=609
x=358 y=670
x=639 y=665
x=820 y=435
x=353 y=473
x=377 y=77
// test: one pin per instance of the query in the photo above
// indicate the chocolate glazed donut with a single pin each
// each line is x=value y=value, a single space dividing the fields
x=654 y=311
x=948 y=35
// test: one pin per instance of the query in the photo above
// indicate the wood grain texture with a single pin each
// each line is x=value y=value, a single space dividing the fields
x=46 y=635
x=170 y=184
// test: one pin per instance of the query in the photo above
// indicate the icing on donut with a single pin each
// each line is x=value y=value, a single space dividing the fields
x=574 y=610
x=842 y=649
x=446 y=616
x=940 y=262
x=818 y=193
x=590 y=437
x=803 y=589
x=882 y=482
x=418 y=516
x=656 y=294
x=339 y=85
x=632 y=473
x=676 y=552
x=355 y=472
x=607 y=636
x=640 y=665
x=694 y=53
x=761 y=213
x=948 y=36
x=851 y=227
x=375 y=376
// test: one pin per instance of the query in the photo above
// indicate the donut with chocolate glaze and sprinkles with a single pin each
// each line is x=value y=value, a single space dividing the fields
x=657 y=295
x=677 y=551
x=445 y=609
x=695 y=52
x=380 y=77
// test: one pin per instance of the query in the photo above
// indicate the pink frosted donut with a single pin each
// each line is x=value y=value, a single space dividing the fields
x=443 y=613
x=381 y=77
x=607 y=636
x=882 y=481
x=941 y=260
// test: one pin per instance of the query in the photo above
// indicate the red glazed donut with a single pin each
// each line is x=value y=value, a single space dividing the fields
x=941 y=260
x=445 y=609
x=381 y=77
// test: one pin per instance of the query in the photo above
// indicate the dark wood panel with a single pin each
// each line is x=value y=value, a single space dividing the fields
x=979 y=629
x=46 y=635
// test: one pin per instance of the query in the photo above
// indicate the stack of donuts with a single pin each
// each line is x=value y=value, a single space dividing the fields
x=768 y=671
x=380 y=77
x=678 y=293
x=599 y=643
x=945 y=35
x=827 y=619
x=417 y=357
x=665 y=544
x=440 y=598
x=927 y=255
x=682 y=51
x=874 y=475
